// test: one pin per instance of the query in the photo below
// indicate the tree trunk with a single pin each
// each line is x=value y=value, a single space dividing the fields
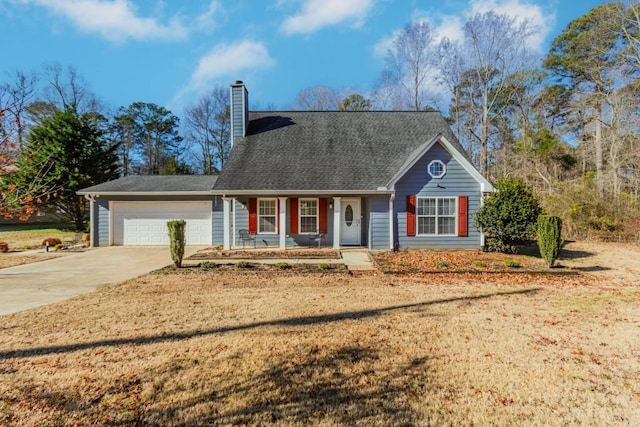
x=598 y=151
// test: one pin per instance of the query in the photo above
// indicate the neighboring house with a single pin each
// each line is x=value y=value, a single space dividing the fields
x=376 y=179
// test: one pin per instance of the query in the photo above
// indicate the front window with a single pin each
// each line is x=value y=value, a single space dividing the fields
x=308 y=215
x=267 y=216
x=436 y=216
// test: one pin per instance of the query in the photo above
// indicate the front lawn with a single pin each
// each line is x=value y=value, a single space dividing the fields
x=218 y=348
x=30 y=236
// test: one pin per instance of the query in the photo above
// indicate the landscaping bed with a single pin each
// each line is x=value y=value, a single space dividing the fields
x=462 y=261
x=215 y=254
x=255 y=267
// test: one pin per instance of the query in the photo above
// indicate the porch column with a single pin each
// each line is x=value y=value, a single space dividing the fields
x=391 y=199
x=337 y=212
x=283 y=222
x=226 y=213
x=93 y=232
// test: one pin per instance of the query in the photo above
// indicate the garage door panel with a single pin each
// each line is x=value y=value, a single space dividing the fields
x=146 y=223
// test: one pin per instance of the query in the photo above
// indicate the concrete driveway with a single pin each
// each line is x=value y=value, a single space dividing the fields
x=40 y=283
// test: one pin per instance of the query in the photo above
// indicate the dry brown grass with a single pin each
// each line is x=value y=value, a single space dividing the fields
x=205 y=348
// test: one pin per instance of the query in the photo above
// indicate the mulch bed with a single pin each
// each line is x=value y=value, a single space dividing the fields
x=213 y=254
x=250 y=267
x=462 y=261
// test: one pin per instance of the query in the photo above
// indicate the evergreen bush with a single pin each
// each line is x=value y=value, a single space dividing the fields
x=549 y=238
x=508 y=217
x=177 y=240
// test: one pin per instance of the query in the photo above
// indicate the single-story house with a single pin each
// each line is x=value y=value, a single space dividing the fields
x=377 y=179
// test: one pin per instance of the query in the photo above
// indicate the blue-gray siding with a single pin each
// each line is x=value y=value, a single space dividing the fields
x=456 y=182
x=102 y=218
x=239 y=110
x=379 y=222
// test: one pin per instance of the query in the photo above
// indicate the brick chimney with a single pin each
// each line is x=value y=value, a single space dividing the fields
x=239 y=110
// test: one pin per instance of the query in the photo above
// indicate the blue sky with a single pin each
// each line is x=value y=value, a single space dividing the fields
x=170 y=52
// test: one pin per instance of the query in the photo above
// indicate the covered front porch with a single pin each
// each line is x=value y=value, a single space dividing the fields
x=335 y=221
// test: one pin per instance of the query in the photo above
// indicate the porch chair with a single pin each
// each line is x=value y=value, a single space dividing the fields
x=245 y=236
x=316 y=237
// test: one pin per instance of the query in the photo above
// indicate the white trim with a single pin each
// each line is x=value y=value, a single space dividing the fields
x=226 y=214
x=337 y=213
x=455 y=216
x=147 y=193
x=317 y=227
x=111 y=215
x=457 y=155
x=391 y=200
x=282 y=201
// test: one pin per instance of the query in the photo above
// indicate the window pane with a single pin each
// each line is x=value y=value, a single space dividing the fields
x=308 y=224
x=267 y=224
x=426 y=225
x=446 y=207
x=446 y=225
x=426 y=207
x=267 y=207
x=308 y=207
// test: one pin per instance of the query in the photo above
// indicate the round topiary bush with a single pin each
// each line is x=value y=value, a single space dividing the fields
x=4 y=247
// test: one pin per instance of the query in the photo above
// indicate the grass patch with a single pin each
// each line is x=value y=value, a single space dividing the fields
x=22 y=236
x=198 y=349
x=511 y=263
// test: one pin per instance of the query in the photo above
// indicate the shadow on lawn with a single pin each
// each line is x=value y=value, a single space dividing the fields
x=296 y=321
x=350 y=385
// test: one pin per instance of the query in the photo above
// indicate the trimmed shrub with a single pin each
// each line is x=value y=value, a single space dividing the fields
x=177 y=240
x=508 y=217
x=51 y=242
x=4 y=247
x=549 y=238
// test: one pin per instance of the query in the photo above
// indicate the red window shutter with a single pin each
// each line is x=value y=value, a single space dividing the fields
x=322 y=215
x=253 y=215
x=411 y=215
x=463 y=216
x=293 y=213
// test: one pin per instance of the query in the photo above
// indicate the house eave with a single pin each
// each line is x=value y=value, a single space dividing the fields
x=232 y=193
x=147 y=193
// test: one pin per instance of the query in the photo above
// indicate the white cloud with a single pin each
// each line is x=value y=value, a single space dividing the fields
x=115 y=20
x=317 y=14
x=230 y=60
x=223 y=64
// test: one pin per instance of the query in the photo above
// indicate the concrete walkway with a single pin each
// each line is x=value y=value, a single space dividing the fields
x=40 y=283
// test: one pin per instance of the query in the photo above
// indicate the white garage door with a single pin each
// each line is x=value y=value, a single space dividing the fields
x=145 y=223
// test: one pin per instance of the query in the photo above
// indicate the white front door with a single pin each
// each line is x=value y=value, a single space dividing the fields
x=350 y=222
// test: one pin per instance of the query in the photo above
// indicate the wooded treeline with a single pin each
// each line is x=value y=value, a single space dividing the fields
x=565 y=121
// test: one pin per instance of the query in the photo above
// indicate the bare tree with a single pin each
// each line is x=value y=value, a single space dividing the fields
x=491 y=64
x=67 y=89
x=318 y=98
x=20 y=92
x=208 y=125
x=411 y=64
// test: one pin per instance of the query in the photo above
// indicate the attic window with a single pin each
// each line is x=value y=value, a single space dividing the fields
x=436 y=169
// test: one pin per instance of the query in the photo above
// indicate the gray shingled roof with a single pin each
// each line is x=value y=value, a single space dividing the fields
x=155 y=183
x=328 y=150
